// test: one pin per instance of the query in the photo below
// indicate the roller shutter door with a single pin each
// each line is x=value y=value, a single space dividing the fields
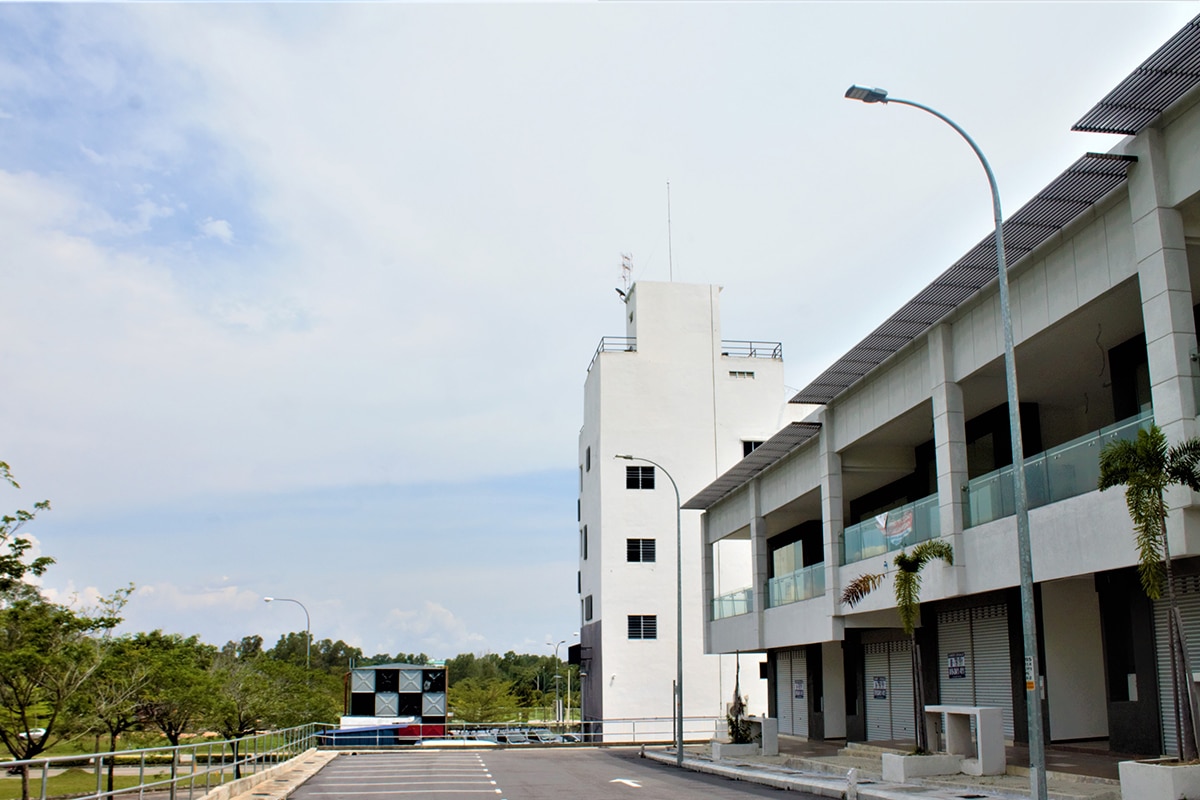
x=888 y=690
x=791 y=671
x=783 y=691
x=974 y=666
x=1187 y=594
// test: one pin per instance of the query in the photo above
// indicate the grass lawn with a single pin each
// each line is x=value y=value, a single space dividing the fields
x=82 y=782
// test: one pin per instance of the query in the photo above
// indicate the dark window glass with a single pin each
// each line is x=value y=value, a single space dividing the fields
x=639 y=477
x=643 y=626
x=639 y=550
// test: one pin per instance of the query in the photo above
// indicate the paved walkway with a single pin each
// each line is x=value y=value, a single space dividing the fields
x=823 y=768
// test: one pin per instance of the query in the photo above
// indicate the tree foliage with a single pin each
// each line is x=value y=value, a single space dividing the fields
x=1146 y=467
x=482 y=700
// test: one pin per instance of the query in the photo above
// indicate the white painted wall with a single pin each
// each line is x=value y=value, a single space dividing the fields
x=674 y=401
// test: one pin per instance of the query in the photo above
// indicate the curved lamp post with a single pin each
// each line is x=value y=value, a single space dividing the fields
x=557 y=678
x=1033 y=697
x=307 y=626
x=678 y=609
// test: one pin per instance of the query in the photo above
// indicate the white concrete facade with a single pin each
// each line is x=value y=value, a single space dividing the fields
x=1104 y=322
x=673 y=392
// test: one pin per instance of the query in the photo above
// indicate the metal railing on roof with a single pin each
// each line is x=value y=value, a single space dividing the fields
x=613 y=344
x=736 y=348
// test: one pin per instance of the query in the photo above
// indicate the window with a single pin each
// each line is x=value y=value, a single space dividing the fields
x=587 y=459
x=583 y=542
x=749 y=447
x=643 y=626
x=587 y=608
x=742 y=375
x=639 y=550
x=639 y=477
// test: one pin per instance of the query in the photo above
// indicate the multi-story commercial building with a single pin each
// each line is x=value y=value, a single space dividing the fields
x=912 y=443
x=673 y=392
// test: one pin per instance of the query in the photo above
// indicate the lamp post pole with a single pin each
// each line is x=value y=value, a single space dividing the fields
x=557 y=678
x=1033 y=695
x=307 y=627
x=678 y=608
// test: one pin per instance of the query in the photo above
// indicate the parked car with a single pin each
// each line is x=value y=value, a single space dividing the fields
x=512 y=737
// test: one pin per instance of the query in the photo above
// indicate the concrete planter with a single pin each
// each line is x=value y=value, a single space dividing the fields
x=1159 y=779
x=728 y=750
x=899 y=769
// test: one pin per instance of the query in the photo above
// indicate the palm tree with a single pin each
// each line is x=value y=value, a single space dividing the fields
x=908 y=603
x=1146 y=467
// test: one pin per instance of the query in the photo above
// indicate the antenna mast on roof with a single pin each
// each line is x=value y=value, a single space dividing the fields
x=670 y=260
x=626 y=271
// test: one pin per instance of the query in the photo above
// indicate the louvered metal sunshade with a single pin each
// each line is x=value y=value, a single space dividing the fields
x=1086 y=182
x=1150 y=89
x=766 y=454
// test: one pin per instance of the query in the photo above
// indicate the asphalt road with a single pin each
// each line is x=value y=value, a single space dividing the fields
x=515 y=774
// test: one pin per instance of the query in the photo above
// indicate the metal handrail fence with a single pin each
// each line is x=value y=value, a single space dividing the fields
x=207 y=762
x=643 y=730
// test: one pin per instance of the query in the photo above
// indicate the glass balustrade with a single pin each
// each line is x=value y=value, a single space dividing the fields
x=796 y=586
x=1068 y=470
x=892 y=530
x=733 y=604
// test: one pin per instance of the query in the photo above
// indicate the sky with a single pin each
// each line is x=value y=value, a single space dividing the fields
x=299 y=298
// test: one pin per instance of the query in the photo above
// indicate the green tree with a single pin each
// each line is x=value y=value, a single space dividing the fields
x=243 y=695
x=908 y=603
x=1146 y=467
x=476 y=700
x=47 y=654
x=112 y=698
x=15 y=564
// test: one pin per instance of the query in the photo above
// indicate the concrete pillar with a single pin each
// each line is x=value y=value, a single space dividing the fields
x=950 y=445
x=759 y=560
x=1165 y=284
x=706 y=554
x=832 y=519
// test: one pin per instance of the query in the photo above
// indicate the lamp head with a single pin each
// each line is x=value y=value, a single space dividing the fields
x=866 y=95
x=621 y=455
x=268 y=599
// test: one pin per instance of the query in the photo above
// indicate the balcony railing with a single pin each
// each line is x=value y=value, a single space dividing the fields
x=735 y=348
x=733 y=604
x=613 y=344
x=901 y=527
x=1068 y=470
x=796 y=586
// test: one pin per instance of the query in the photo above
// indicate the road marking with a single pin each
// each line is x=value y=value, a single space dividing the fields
x=627 y=782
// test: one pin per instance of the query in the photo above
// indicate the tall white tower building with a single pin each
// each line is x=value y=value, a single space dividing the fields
x=673 y=392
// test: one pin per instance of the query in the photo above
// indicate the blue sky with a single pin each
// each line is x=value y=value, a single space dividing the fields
x=300 y=297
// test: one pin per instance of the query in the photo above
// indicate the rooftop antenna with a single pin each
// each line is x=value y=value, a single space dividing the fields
x=670 y=260
x=626 y=271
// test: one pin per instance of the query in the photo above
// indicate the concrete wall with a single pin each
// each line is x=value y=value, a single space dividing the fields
x=1075 y=688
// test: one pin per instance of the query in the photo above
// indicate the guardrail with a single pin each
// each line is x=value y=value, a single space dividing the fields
x=193 y=768
x=644 y=730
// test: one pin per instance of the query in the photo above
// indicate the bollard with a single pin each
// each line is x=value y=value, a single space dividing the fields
x=852 y=784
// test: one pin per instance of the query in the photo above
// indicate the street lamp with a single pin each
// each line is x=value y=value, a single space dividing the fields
x=557 y=678
x=307 y=627
x=678 y=609
x=1033 y=699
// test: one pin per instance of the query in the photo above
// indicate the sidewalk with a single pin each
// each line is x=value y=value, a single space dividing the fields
x=824 y=771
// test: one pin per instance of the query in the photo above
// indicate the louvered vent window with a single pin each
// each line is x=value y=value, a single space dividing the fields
x=643 y=626
x=639 y=550
x=639 y=477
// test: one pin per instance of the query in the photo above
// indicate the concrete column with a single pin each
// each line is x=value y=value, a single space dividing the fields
x=950 y=444
x=1165 y=285
x=759 y=566
x=706 y=554
x=832 y=519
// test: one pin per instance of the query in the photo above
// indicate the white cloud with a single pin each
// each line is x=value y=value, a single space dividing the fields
x=217 y=229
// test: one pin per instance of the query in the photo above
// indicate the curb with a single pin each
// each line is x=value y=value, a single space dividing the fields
x=287 y=777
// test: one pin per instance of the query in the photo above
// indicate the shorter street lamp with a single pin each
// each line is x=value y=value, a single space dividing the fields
x=557 y=678
x=307 y=627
